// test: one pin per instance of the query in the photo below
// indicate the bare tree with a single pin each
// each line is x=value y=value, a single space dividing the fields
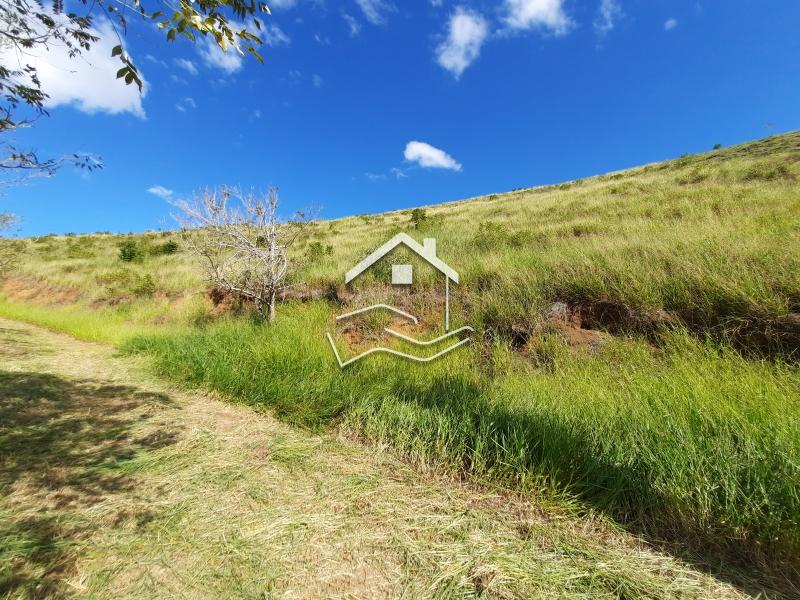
x=242 y=241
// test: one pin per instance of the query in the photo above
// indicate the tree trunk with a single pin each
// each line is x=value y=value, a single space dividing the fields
x=272 y=296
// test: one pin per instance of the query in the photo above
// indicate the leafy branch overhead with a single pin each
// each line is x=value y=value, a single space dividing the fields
x=28 y=26
x=205 y=18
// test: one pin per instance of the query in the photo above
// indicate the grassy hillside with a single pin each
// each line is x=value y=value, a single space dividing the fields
x=638 y=337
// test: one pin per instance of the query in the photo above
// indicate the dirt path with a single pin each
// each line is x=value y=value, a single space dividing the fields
x=114 y=485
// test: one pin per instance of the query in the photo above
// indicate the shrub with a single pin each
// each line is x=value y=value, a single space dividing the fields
x=144 y=286
x=128 y=251
x=316 y=251
x=418 y=217
x=169 y=247
x=124 y=282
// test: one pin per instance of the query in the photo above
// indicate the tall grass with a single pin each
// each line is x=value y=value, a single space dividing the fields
x=712 y=238
x=692 y=440
x=688 y=439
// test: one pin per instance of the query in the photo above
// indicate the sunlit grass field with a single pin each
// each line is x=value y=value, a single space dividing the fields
x=682 y=422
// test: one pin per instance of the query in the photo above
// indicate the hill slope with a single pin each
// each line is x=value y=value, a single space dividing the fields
x=637 y=344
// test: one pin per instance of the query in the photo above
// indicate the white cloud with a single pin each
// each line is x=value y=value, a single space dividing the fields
x=231 y=60
x=352 y=24
x=375 y=176
x=87 y=81
x=537 y=14
x=186 y=103
x=275 y=36
x=161 y=191
x=322 y=40
x=398 y=173
x=670 y=24
x=215 y=57
x=282 y=3
x=186 y=65
x=155 y=61
x=317 y=80
x=375 y=11
x=429 y=157
x=466 y=34
x=610 y=11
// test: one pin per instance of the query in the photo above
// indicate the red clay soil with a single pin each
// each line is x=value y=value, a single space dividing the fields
x=22 y=288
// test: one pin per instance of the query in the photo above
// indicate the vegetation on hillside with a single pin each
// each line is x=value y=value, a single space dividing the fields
x=113 y=485
x=637 y=351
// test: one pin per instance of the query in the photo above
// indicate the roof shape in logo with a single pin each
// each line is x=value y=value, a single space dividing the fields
x=427 y=252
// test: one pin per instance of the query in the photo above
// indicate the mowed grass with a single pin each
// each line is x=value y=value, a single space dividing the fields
x=686 y=431
x=691 y=442
x=115 y=486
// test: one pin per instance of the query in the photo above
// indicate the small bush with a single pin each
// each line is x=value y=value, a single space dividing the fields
x=144 y=286
x=169 y=247
x=316 y=251
x=124 y=282
x=418 y=217
x=118 y=277
x=128 y=251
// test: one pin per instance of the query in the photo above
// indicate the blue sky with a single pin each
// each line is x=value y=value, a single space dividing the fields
x=368 y=105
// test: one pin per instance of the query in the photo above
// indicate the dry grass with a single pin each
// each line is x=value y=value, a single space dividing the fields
x=117 y=486
x=710 y=241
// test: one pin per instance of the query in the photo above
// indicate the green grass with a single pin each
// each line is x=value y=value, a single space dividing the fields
x=112 y=326
x=713 y=249
x=686 y=432
x=692 y=440
x=115 y=485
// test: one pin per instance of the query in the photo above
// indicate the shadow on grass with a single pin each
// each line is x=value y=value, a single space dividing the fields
x=62 y=444
x=568 y=458
x=17 y=344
